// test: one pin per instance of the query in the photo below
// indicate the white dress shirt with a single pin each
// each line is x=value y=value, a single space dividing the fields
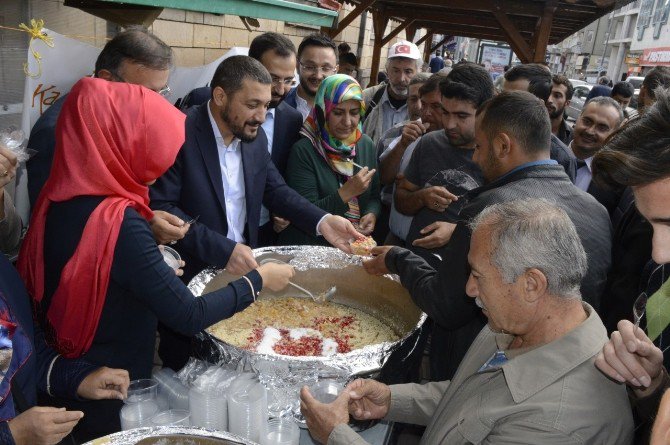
x=303 y=106
x=269 y=128
x=232 y=177
x=584 y=175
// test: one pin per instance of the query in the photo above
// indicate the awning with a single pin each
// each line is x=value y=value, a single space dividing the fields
x=282 y=10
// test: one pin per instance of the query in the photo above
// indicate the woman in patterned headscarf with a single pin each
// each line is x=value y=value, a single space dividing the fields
x=334 y=164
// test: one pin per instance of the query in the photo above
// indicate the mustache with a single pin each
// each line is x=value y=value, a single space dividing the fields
x=252 y=123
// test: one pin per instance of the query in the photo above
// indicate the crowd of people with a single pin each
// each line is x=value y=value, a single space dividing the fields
x=524 y=238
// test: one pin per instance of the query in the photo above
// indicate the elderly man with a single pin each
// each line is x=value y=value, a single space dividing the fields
x=528 y=378
x=639 y=156
x=387 y=103
x=512 y=133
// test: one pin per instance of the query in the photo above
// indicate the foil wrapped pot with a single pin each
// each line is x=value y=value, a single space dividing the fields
x=318 y=269
x=170 y=435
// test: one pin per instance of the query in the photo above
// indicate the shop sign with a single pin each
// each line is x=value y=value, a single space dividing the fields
x=656 y=56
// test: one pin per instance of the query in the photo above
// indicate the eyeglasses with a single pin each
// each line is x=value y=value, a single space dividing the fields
x=312 y=69
x=165 y=91
x=276 y=81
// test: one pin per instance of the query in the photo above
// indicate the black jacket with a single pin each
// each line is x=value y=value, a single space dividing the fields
x=441 y=293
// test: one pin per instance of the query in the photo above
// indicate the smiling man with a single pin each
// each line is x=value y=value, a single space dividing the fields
x=223 y=174
x=528 y=377
x=600 y=117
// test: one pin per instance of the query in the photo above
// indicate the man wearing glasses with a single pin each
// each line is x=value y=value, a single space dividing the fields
x=317 y=59
x=133 y=56
x=282 y=122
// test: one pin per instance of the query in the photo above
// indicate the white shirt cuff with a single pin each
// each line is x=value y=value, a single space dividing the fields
x=318 y=232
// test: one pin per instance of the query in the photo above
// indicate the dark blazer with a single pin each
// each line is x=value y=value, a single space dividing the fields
x=288 y=122
x=560 y=153
x=290 y=99
x=43 y=141
x=193 y=187
x=441 y=293
x=608 y=197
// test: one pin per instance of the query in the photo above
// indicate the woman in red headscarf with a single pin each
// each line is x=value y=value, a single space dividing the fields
x=90 y=263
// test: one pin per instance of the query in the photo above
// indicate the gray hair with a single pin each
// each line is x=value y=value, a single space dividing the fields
x=419 y=78
x=535 y=234
x=606 y=101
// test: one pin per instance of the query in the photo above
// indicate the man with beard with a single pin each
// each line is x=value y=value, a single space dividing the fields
x=600 y=117
x=317 y=59
x=512 y=133
x=282 y=122
x=441 y=166
x=222 y=175
x=387 y=103
x=559 y=98
x=536 y=78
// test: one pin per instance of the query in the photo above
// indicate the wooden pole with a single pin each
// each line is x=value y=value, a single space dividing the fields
x=542 y=31
x=346 y=21
x=428 y=38
x=379 y=20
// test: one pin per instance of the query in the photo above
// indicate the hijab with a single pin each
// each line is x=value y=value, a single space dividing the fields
x=112 y=138
x=334 y=90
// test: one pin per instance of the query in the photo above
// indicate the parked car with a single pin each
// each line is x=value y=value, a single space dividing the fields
x=576 y=82
x=577 y=103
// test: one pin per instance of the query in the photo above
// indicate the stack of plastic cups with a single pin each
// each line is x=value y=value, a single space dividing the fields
x=281 y=432
x=172 y=417
x=207 y=399
x=162 y=376
x=248 y=410
x=140 y=405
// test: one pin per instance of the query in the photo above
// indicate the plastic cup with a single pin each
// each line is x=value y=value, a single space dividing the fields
x=281 y=432
x=172 y=417
x=326 y=391
x=141 y=404
x=247 y=410
x=171 y=257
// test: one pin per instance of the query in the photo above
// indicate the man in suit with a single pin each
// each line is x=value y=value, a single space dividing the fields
x=512 y=133
x=282 y=122
x=223 y=173
x=600 y=117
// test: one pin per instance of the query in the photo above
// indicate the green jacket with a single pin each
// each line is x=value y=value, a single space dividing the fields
x=311 y=176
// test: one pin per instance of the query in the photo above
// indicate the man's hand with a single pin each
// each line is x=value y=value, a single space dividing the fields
x=105 y=383
x=369 y=399
x=437 y=198
x=279 y=224
x=412 y=131
x=338 y=232
x=630 y=357
x=8 y=164
x=241 y=261
x=168 y=228
x=322 y=418
x=377 y=265
x=367 y=223
x=436 y=234
x=660 y=433
x=42 y=425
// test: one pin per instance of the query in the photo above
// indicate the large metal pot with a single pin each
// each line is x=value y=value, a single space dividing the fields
x=171 y=435
x=317 y=269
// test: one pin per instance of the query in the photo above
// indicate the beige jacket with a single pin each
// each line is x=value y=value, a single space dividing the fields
x=549 y=395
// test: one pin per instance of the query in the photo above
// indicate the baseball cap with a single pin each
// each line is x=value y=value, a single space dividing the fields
x=403 y=48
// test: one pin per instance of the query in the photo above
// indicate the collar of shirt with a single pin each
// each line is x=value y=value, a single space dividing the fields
x=586 y=161
x=302 y=106
x=530 y=372
x=217 y=133
x=385 y=100
x=529 y=164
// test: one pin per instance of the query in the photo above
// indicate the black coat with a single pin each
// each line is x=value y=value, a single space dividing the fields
x=441 y=293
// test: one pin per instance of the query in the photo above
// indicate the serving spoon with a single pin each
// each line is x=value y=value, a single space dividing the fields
x=320 y=298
